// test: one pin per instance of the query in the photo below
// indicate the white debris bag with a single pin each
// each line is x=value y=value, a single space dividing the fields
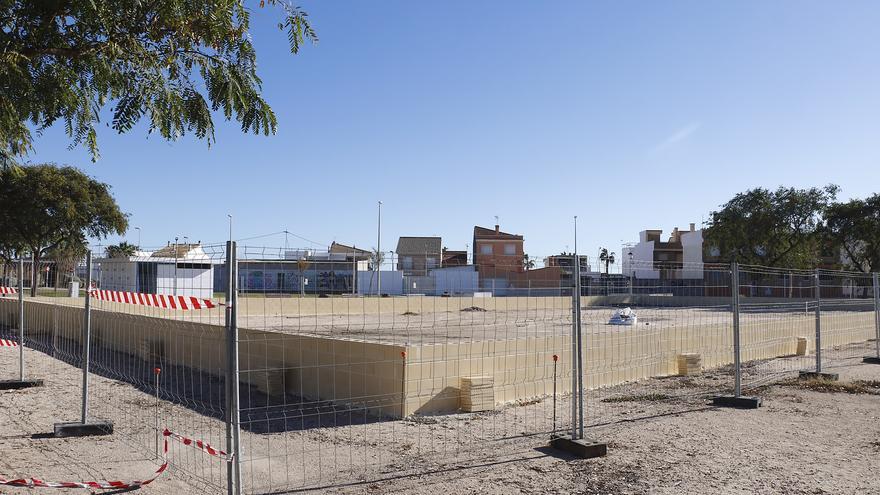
x=625 y=316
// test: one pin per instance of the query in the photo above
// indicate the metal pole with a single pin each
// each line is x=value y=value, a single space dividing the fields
x=737 y=364
x=580 y=349
x=877 y=313
x=555 y=359
x=818 y=322
x=379 y=253
x=87 y=337
x=574 y=354
x=158 y=433
x=20 y=318
x=233 y=420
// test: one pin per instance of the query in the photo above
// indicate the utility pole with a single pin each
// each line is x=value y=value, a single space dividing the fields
x=379 y=253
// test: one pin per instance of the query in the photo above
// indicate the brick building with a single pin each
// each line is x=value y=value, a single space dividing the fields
x=496 y=252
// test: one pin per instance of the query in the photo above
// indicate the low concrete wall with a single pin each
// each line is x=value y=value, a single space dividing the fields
x=522 y=369
x=318 y=369
x=426 y=379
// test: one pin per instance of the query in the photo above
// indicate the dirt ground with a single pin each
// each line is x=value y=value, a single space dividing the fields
x=662 y=435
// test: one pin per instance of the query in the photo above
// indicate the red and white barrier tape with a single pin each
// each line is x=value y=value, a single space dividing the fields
x=156 y=300
x=8 y=290
x=36 y=483
x=8 y=343
x=203 y=446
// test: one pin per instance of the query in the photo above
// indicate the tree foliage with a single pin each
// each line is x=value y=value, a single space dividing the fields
x=607 y=257
x=121 y=250
x=854 y=227
x=774 y=228
x=54 y=209
x=170 y=62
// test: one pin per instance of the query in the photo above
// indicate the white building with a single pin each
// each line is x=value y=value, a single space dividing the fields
x=182 y=270
x=681 y=257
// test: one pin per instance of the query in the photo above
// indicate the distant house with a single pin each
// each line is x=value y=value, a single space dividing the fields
x=301 y=271
x=452 y=258
x=350 y=252
x=678 y=258
x=417 y=255
x=177 y=269
x=497 y=253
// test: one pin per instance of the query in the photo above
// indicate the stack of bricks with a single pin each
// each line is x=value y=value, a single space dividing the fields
x=689 y=364
x=477 y=393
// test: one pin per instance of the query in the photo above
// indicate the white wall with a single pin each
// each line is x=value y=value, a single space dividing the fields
x=456 y=280
x=392 y=282
x=116 y=274
x=692 y=254
x=191 y=282
x=643 y=261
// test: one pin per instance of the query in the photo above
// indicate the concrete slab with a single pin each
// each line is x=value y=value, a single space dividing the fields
x=90 y=428
x=584 y=448
x=737 y=402
x=812 y=375
x=18 y=384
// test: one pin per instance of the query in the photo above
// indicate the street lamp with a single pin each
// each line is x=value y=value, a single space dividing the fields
x=175 y=266
x=139 y=237
x=379 y=253
x=631 y=273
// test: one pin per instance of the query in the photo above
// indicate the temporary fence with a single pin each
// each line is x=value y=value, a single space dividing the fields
x=294 y=369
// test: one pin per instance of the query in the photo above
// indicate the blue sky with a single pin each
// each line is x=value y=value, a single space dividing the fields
x=631 y=115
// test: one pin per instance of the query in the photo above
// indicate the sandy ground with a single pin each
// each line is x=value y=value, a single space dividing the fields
x=28 y=449
x=662 y=436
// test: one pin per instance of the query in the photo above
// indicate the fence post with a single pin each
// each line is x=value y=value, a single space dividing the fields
x=876 y=358
x=574 y=362
x=737 y=347
x=86 y=339
x=233 y=419
x=85 y=426
x=21 y=319
x=576 y=443
x=580 y=344
x=876 y=280
x=818 y=322
x=737 y=399
x=20 y=382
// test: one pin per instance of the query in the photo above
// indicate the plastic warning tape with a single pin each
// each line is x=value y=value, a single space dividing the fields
x=37 y=483
x=203 y=446
x=8 y=290
x=8 y=343
x=156 y=300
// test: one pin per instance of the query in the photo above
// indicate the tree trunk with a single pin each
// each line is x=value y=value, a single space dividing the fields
x=35 y=272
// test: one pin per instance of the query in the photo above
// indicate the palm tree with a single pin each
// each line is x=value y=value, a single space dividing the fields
x=528 y=263
x=376 y=259
x=121 y=250
x=302 y=265
x=606 y=257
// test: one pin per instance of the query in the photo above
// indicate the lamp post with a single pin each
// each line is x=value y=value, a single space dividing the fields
x=175 y=266
x=379 y=253
x=139 y=237
x=631 y=274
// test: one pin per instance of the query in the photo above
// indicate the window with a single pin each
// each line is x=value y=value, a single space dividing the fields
x=407 y=262
x=486 y=249
x=509 y=249
x=432 y=262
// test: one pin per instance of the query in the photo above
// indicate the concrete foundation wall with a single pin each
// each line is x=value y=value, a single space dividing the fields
x=313 y=368
x=426 y=379
x=523 y=368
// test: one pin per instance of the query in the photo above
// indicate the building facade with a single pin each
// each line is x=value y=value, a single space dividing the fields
x=416 y=256
x=496 y=253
